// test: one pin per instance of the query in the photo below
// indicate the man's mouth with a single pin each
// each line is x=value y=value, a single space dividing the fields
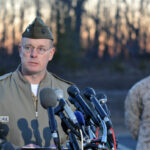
x=33 y=63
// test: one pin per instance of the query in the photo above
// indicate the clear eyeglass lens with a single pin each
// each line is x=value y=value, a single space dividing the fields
x=39 y=50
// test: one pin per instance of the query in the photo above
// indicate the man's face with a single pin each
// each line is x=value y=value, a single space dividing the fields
x=34 y=60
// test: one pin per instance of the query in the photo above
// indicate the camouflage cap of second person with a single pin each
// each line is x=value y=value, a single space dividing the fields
x=38 y=30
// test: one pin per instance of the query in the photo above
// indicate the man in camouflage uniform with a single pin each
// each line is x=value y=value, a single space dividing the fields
x=137 y=113
x=23 y=121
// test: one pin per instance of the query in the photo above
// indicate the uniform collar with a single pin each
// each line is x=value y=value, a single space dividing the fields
x=19 y=77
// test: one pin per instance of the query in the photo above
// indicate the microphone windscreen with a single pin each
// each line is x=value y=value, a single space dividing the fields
x=48 y=97
x=80 y=117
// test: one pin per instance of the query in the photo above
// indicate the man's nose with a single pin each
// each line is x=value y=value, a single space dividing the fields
x=33 y=53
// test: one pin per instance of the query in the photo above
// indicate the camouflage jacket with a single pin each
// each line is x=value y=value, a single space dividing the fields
x=137 y=113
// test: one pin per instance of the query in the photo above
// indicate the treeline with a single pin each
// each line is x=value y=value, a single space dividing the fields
x=102 y=31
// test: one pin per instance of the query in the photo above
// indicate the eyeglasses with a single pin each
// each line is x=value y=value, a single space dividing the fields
x=40 y=50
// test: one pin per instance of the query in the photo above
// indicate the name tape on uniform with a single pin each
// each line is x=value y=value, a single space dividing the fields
x=4 y=118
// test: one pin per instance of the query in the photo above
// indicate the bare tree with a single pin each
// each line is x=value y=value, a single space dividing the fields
x=38 y=4
x=12 y=21
x=22 y=16
x=4 y=23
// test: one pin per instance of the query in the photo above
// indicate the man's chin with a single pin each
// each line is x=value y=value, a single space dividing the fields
x=32 y=72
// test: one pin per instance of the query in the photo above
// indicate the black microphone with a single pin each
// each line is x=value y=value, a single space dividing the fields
x=74 y=92
x=67 y=126
x=90 y=94
x=60 y=97
x=102 y=98
x=48 y=100
x=99 y=101
x=76 y=104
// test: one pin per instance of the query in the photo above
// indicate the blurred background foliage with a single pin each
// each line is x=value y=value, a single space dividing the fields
x=87 y=33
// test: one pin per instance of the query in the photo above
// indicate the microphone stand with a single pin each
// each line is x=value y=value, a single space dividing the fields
x=73 y=141
x=53 y=128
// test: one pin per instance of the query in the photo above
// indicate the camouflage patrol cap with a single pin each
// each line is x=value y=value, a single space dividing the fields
x=38 y=30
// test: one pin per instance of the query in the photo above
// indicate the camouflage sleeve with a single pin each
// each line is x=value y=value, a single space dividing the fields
x=132 y=111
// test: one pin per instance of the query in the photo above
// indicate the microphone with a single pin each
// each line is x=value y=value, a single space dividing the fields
x=81 y=122
x=80 y=118
x=90 y=94
x=48 y=101
x=102 y=98
x=60 y=97
x=69 y=123
x=67 y=126
x=74 y=92
x=48 y=97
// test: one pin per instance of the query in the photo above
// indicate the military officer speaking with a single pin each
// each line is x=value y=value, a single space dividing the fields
x=23 y=121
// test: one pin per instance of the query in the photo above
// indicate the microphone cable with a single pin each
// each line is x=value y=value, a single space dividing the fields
x=82 y=148
x=97 y=132
x=114 y=139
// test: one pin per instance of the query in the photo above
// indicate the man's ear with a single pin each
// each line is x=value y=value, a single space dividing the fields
x=20 y=49
x=52 y=52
